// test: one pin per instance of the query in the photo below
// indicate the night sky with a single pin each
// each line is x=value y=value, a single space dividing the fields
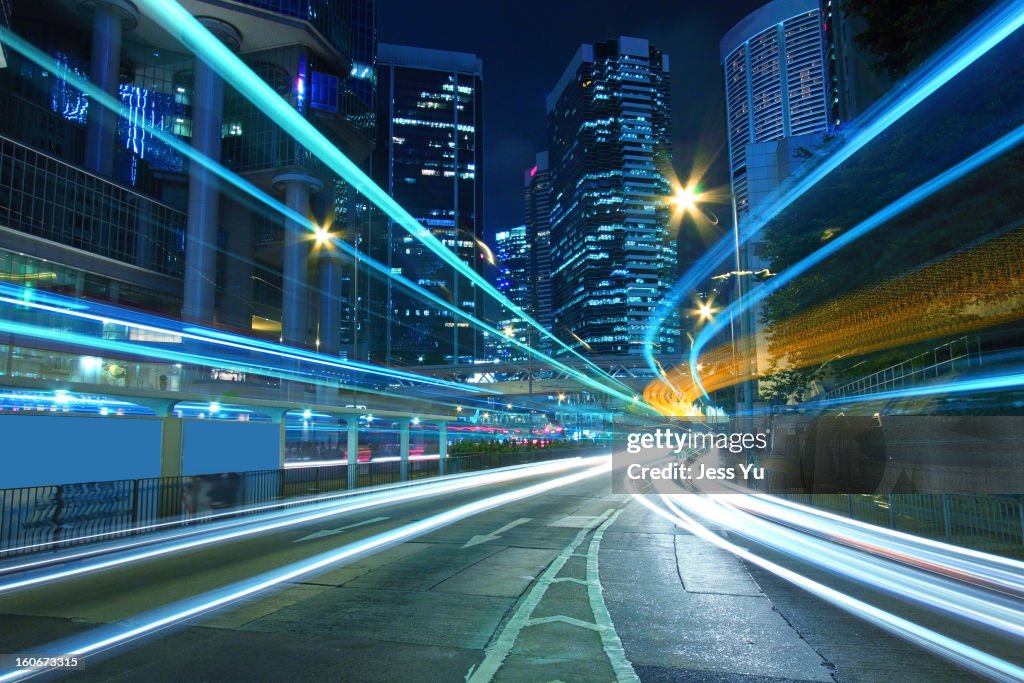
x=525 y=46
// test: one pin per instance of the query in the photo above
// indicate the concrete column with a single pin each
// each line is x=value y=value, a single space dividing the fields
x=172 y=455
x=352 y=449
x=442 y=446
x=234 y=308
x=295 y=298
x=278 y=415
x=110 y=18
x=171 y=446
x=330 y=272
x=403 y=448
x=203 y=188
x=330 y=303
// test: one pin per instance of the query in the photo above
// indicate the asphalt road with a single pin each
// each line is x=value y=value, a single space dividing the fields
x=573 y=584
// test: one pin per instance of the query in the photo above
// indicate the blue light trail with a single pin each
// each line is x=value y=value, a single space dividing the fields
x=964 y=50
x=107 y=637
x=949 y=648
x=13 y=295
x=176 y=20
x=909 y=200
x=324 y=508
x=99 y=97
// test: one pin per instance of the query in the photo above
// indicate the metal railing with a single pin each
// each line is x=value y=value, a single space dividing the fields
x=993 y=524
x=39 y=518
x=960 y=354
x=47 y=197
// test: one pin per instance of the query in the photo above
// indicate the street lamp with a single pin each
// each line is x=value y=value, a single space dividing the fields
x=322 y=236
x=705 y=313
x=686 y=198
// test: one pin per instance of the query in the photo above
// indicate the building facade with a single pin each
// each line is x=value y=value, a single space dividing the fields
x=609 y=141
x=515 y=255
x=429 y=156
x=96 y=205
x=537 y=214
x=776 y=82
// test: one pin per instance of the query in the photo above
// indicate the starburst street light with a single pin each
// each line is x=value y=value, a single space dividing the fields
x=322 y=236
x=686 y=198
x=689 y=199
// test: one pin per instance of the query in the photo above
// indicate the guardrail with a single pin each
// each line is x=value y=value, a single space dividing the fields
x=959 y=354
x=50 y=198
x=40 y=518
x=993 y=524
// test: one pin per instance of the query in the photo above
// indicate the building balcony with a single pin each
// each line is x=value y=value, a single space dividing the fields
x=48 y=198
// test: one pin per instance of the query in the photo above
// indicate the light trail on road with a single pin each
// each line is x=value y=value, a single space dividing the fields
x=964 y=655
x=107 y=637
x=130 y=552
x=931 y=589
x=211 y=522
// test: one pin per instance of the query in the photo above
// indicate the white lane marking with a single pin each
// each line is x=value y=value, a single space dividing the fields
x=331 y=532
x=609 y=638
x=572 y=621
x=571 y=579
x=577 y=522
x=502 y=647
x=362 y=500
x=115 y=634
x=496 y=534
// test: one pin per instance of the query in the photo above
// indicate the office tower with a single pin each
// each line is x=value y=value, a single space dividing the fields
x=111 y=212
x=775 y=82
x=429 y=157
x=537 y=212
x=609 y=142
x=515 y=254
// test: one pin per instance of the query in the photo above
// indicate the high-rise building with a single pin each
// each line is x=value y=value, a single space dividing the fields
x=429 y=157
x=537 y=213
x=776 y=82
x=609 y=141
x=111 y=212
x=515 y=259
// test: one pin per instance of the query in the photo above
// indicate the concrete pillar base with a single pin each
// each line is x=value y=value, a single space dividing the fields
x=442 y=447
x=352 y=450
x=403 y=449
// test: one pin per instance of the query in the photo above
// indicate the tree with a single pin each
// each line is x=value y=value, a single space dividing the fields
x=903 y=33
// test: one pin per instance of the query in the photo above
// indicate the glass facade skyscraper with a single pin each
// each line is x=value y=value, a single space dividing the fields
x=609 y=141
x=537 y=212
x=775 y=82
x=516 y=255
x=429 y=157
x=112 y=202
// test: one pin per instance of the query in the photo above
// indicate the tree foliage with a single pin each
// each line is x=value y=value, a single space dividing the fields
x=903 y=33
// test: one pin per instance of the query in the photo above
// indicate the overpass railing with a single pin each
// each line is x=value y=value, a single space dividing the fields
x=41 y=518
x=960 y=354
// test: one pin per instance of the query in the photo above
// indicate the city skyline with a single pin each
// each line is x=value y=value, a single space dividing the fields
x=522 y=74
x=280 y=400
